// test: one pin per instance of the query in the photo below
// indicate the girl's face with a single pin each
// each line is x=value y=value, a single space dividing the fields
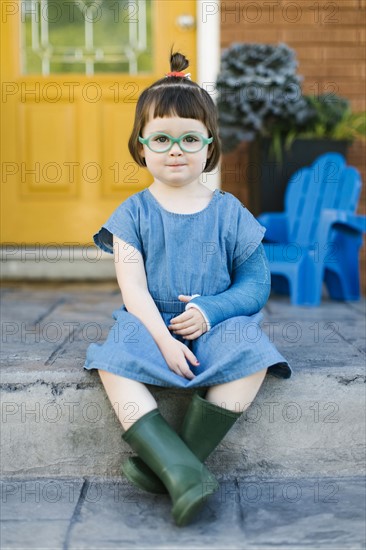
x=175 y=168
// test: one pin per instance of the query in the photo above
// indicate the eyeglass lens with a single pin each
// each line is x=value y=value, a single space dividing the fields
x=189 y=143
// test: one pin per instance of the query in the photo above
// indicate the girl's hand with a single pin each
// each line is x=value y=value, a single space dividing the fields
x=190 y=324
x=176 y=354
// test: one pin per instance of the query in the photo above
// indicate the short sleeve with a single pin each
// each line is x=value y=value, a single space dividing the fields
x=124 y=223
x=249 y=234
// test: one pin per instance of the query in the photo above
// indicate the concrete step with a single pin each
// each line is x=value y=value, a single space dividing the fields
x=57 y=420
x=251 y=512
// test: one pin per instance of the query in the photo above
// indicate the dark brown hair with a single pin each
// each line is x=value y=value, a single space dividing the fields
x=176 y=96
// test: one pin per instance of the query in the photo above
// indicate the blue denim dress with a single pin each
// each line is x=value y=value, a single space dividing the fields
x=186 y=254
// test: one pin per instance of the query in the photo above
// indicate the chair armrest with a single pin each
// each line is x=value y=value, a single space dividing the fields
x=276 y=225
x=349 y=220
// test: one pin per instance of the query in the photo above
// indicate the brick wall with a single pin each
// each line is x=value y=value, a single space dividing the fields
x=329 y=40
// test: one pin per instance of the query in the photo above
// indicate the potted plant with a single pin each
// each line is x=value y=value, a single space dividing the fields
x=260 y=100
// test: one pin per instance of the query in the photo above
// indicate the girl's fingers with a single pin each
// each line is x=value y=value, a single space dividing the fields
x=187 y=373
x=183 y=317
x=181 y=367
x=180 y=318
x=183 y=370
x=194 y=335
x=178 y=326
x=182 y=325
x=187 y=331
x=184 y=298
x=191 y=357
x=194 y=330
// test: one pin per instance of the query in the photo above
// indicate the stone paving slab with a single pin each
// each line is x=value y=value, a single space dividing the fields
x=246 y=513
x=327 y=336
x=275 y=466
x=311 y=423
x=289 y=430
x=50 y=328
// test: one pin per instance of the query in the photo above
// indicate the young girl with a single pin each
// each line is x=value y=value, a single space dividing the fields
x=193 y=277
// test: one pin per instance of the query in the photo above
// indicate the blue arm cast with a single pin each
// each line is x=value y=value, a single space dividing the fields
x=247 y=294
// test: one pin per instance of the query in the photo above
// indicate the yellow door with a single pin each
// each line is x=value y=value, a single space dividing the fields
x=67 y=109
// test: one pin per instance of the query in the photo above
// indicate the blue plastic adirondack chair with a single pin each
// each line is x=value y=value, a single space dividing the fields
x=318 y=237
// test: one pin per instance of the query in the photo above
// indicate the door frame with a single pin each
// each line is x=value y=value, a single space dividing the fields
x=208 y=19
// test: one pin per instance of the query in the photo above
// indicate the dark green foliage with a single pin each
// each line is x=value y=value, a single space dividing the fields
x=258 y=88
x=329 y=108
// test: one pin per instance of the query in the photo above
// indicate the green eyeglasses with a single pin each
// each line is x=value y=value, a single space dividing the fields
x=160 y=142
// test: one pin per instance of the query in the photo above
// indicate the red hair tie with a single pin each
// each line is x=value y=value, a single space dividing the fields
x=179 y=74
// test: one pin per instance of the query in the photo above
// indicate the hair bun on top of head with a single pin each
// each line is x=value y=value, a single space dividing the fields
x=178 y=63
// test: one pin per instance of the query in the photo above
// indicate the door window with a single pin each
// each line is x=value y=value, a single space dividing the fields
x=86 y=36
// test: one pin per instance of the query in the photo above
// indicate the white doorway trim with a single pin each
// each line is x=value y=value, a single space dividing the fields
x=208 y=61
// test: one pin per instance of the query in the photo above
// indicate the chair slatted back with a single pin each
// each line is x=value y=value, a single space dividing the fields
x=327 y=183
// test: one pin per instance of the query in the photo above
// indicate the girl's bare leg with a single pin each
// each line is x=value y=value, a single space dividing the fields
x=238 y=394
x=130 y=399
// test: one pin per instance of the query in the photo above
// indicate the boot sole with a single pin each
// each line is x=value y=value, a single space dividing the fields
x=190 y=503
x=134 y=475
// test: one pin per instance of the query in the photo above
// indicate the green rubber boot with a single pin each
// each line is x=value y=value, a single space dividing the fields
x=204 y=426
x=187 y=480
